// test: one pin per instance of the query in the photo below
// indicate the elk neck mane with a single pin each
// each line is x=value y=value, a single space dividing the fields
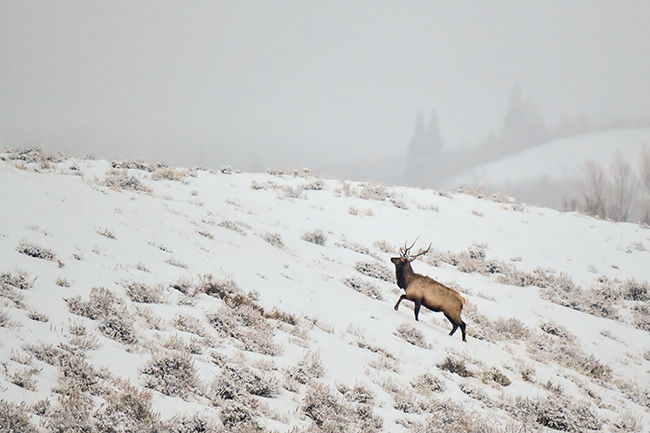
x=404 y=275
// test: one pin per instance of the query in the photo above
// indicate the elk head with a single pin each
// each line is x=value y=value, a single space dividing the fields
x=405 y=254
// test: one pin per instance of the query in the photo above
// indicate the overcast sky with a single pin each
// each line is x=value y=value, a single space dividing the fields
x=301 y=83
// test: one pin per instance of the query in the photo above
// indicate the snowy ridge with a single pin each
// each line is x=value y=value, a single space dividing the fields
x=560 y=160
x=151 y=298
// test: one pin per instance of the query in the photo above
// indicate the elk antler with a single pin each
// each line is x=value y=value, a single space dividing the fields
x=405 y=251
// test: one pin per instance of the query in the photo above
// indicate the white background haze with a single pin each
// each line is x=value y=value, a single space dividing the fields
x=289 y=84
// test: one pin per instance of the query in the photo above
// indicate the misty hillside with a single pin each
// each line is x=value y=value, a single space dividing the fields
x=141 y=297
x=553 y=172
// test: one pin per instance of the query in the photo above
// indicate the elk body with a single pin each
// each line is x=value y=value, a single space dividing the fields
x=426 y=291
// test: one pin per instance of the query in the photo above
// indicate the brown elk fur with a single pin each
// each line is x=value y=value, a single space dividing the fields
x=426 y=291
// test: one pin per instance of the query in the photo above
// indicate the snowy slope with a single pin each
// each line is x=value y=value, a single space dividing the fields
x=105 y=267
x=552 y=172
x=562 y=159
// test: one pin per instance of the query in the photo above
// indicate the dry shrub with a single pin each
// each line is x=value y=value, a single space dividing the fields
x=101 y=303
x=189 y=324
x=316 y=237
x=33 y=250
x=140 y=292
x=427 y=383
x=191 y=424
x=238 y=379
x=364 y=288
x=173 y=374
x=375 y=270
x=412 y=335
x=456 y=366
x=308 y=368
x=19 y=280
x=274 y=239
x=121 y=180
x=129 y=408
x=330 y=413
x=167 y=173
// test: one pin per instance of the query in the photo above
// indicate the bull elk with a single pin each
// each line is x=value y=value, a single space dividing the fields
x=426 y=291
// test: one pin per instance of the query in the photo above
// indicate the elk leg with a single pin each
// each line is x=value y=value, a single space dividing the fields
x=416 y=310
x=455 y=326
x=401 y=298
x=462 y=328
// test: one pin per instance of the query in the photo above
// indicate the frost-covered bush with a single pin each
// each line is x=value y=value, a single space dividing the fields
x=73 y=414
x=238 y=418
x=374 y=192
x=290 y=192
x=173 y=375
x=189 y=324
x=411 y=335
x=636 y=291
x=356 y=247
x=167 y=173
x=38 y=316
x=237 y=379
x=496 y=376
x=121 y=180
x=77 y=374
x=511 y=329
x=15 y=418
x=274 y=239
x=107 y=233
x=427 y=383
x=325 y=408
x=562 y=414
x=316 y=237
x=223 y=289
x=641 y=315
x=23 y=378
x=45 y=353
x=140 y=292
x=316 y=185
x=32 y=155
x=137 y=164
x=191 y=424
x=101 y=303
x=310 y=367
x=118 y=327
x=357 y=394
x=375 y=270
x=557 y=330
x=226 y=169
x=236 y=226
x=19 y=280
x=35 y=251
x=81 y=339
x=130 y=409
x=4 y=318
x=455 y=366
x=248 y=325
x=364 y=287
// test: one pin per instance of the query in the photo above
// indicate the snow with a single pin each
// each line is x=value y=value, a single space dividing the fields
x=561 y=160
x=176 y=231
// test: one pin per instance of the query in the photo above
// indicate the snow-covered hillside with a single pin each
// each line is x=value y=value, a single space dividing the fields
x=150 y=298
x=551 y=172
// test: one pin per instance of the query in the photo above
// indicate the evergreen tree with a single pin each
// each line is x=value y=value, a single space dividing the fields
x=425 y=150
x=523 y=125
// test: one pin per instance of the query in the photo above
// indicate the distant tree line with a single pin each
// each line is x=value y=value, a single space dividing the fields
x=523 y=127
x=617 y=194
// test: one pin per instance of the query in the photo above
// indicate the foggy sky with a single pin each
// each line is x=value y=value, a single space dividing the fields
x=290 y=84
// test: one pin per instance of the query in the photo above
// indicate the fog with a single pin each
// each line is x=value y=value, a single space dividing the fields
x=332 y=85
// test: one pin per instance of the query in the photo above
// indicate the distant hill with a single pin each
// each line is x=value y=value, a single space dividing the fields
x=546 y=174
